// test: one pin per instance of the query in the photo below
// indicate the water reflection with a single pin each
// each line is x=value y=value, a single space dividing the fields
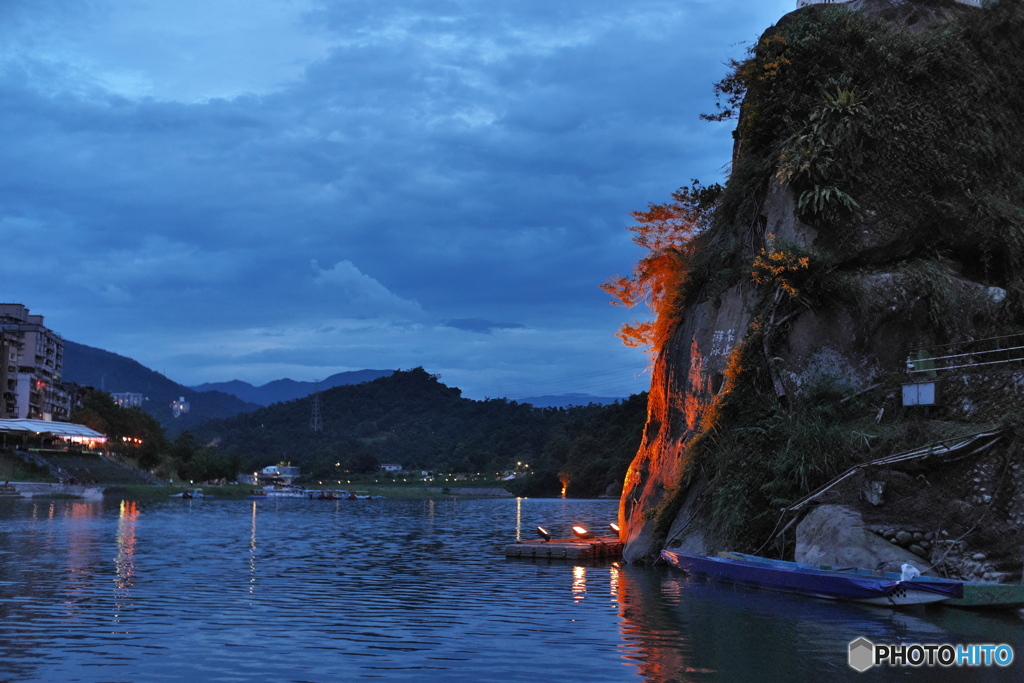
x=401 y=591
x=579 y=583
x=124 y=562
x=644 y=625
x=519 y=519
x=80 y=551
x=252 y=550
x=677 y=628
x=613 y=580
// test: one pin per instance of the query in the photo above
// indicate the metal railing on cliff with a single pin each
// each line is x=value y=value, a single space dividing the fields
x=927 y=362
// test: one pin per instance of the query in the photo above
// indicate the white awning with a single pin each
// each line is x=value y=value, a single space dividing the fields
x=66 y=429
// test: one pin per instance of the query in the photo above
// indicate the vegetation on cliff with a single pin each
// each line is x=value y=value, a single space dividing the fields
x=895 y=130
x=876 y=126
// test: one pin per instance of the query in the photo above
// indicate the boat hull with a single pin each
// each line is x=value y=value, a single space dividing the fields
x=990 y=596
x=976 y=594
x=816 y=583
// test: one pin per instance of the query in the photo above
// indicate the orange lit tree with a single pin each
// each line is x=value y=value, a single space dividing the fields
x=667 y=232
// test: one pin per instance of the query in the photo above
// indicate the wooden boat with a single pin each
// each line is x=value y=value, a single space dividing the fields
x=977 y=594
x=812 y=581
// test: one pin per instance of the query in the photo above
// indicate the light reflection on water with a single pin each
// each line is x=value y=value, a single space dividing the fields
x=316 y=590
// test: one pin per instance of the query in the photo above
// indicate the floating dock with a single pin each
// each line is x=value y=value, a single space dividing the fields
x=608 y=547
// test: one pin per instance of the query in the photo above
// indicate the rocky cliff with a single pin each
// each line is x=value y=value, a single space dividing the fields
x=875 y=207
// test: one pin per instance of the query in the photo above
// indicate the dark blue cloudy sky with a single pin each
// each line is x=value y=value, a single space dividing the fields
x=257 y=189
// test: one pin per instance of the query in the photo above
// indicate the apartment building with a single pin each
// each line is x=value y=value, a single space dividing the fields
x=33 y=358
x=128 y=399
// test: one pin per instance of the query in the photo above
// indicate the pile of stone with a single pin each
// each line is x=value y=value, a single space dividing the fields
x=918 y=542
x=950 y=558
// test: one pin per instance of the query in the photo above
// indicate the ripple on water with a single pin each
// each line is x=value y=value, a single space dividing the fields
x=290 y=590
x=308 y=591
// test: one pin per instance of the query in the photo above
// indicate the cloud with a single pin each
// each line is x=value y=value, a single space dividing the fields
x=175 y=169
x=359 y=295
x=189 y=50
x=481 y=325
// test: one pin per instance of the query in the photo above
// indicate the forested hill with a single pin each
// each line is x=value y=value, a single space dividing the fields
x=410 y=418
x=92 y=367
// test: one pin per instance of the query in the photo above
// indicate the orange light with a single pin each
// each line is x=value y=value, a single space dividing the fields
x=581 y=532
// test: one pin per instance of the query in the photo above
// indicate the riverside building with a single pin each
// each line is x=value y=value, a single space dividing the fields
x=32 y=361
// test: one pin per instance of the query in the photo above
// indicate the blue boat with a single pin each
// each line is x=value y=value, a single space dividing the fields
x=977 y=594
x=813 y=581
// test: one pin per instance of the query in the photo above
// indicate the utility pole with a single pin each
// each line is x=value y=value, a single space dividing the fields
x=315 y=422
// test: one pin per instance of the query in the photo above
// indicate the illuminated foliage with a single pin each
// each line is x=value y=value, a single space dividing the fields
x=778 y=266
x=667 y=232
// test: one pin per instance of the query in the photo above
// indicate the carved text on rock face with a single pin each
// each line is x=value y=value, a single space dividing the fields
x=722 y=342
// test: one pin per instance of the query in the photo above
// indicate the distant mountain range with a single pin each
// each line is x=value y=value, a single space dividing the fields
x=110 y=372
x=282 y=390
x=566 y=400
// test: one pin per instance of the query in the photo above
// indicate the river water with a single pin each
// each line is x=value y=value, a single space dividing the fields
x=299 y=590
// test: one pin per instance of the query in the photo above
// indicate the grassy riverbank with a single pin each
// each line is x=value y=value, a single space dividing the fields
x=12 y=468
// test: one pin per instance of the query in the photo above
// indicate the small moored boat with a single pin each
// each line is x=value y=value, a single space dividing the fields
x=814 y=581
x=977 y=594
